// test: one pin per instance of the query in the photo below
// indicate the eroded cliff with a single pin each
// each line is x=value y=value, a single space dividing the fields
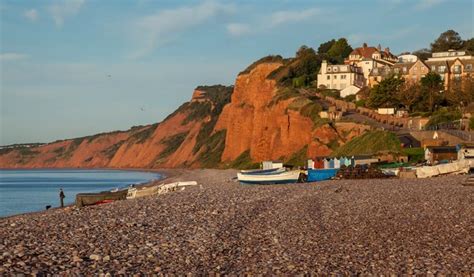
x=255 y=120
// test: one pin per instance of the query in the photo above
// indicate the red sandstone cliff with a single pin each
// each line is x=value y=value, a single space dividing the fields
x=273 y=131
x=215 y=127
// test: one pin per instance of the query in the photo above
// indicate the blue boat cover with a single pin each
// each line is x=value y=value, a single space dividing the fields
x=315 y=175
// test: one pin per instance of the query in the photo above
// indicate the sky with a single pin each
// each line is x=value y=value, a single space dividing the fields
x=71 y=68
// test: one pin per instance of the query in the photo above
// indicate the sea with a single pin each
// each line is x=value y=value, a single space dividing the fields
x=23 y=191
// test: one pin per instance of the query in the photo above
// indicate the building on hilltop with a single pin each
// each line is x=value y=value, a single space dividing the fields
x=407 y=58
x=369 y=57
x=340 y=77
x=450 y=55
x=453 y=66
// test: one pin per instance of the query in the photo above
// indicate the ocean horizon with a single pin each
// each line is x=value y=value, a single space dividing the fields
x=31 y=190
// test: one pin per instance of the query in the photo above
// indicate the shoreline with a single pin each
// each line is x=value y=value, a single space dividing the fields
x=347 y=227
x=169 y=175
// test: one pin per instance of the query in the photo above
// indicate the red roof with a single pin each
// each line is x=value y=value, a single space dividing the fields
x=365 y=52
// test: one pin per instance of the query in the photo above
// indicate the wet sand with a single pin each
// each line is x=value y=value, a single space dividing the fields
x=395 y=226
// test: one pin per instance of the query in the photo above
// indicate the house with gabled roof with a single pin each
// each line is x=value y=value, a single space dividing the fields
x=369 y=57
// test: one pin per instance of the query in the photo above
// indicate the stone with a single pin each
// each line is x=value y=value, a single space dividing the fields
x=94 y=257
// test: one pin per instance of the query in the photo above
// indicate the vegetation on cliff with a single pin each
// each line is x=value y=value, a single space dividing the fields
x=371 y=143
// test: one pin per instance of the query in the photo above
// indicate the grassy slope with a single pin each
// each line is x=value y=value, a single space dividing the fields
x=369 y=144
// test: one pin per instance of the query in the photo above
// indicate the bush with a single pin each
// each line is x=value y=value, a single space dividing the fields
x=172 y=144
x=415 y=155
x=360 y=103
x=110 y=151
x=141 y=136
x=312 y=111
x=471 y=123
x=350 y=98
x=267 y=59
x=243 y=161
x=299 y=158
x=212 y=153
x=441 y=116
x=299 y=103
x=370 y=143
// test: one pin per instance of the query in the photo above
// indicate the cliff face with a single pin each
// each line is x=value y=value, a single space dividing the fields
x=255 y=119
x=272 y=129
x=177 y=141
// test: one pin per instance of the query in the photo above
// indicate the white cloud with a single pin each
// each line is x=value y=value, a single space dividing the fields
x=273 y=20
x=32 y=15
x=238 y=29
x=426 y=4
x=285 y=17
x=163 y=26
x=63 y=9
x=4 y=57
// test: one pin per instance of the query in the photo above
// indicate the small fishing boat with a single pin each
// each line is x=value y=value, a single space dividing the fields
x=315 y=175
x=264 y=171
x=284 y=177
x=87 y=199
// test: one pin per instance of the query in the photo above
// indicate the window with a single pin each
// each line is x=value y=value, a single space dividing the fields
x=397 y=70
x=433 y=67
x=328 y=77
x=329 y=69
x=441 y=68
x=469 y=67
x=442 y=77
x=404 y=69
x=457 y=69
x=335 y=76
x=343 y=77
x=334 y=69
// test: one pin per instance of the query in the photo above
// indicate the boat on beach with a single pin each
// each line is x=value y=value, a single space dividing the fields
x=264 y=171
x=284 y=177
x=87 y=199
x=315 y=175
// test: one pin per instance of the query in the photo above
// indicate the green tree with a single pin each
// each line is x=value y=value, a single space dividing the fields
x=446 y=41
x=324 y=47
x=385 y=93
x=303 y=70
x=339 y=51
x=423 y=54
x=432 y=86
x=409 y=94
x=469 y=45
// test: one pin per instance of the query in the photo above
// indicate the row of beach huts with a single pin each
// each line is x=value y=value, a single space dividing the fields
x=438 y=161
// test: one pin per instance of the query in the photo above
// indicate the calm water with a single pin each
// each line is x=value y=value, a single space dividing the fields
x=31 y=190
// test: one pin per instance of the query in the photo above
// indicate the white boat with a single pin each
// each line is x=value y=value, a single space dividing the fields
x=157 y=189
x=263 y=171
x=285 y=177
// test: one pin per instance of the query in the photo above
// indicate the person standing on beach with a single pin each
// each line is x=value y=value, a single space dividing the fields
x=61 y=197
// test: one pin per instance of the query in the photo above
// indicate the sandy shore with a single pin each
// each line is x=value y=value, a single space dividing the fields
x=348 y=227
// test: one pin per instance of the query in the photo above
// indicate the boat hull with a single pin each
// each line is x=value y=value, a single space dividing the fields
x=315 y=175
x=268 y=179
x=87 y=199
x=263 y=171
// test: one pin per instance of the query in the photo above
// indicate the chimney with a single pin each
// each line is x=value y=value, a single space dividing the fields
x=324 y=66
x=387 y=50
x=364 y=45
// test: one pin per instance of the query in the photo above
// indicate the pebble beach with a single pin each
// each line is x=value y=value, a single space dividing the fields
x=377 y=226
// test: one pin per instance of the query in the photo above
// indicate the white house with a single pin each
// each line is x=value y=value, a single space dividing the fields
x=340 y=76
